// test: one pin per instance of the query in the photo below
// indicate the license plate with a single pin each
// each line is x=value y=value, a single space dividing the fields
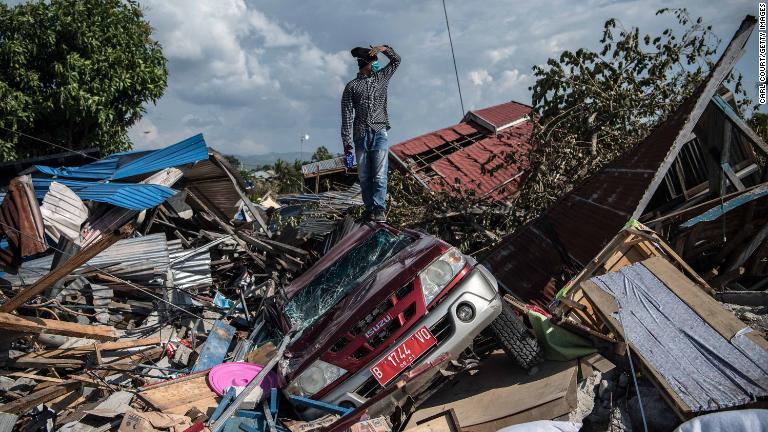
x=403 y=356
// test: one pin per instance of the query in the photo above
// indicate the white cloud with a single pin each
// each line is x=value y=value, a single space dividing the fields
x=499 y=54
x=225 y=52
x=480 y=77
x=271 y=70
x=513 y=79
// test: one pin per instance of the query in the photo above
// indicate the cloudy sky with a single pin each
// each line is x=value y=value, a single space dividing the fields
x=254 y=76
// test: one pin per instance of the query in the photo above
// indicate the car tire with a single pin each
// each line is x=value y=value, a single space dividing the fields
x=515 y=339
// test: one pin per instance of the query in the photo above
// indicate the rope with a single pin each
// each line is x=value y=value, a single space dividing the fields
x=453 y=55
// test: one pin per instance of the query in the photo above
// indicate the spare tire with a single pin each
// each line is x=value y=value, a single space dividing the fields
x=517 y=341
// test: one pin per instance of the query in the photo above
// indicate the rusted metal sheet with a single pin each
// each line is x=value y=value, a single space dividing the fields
x=532 y=262
x=22 y=223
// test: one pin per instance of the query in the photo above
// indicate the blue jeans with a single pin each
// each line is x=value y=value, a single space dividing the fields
x=372 y=153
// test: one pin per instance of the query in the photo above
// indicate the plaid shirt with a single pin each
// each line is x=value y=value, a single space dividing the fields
x=365 y=99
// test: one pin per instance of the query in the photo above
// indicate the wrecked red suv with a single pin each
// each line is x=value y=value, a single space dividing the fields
x=380 y=302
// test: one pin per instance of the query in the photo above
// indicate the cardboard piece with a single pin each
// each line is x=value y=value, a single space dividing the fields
x=378 y=424
x=446 y=421
x=309 y=426
x=501 y=394
x=262 y=354
x=135 y=421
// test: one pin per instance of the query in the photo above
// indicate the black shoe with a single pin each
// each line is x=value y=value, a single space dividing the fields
x=378 y=215
x=365 y=216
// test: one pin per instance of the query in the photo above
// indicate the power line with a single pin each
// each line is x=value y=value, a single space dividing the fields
x=455 y=69
x=49 y=143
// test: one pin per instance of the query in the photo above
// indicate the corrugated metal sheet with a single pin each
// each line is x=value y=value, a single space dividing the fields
x=63 y=212
x=22 y=223
x=126 y=195
x=320 y=212
x=123 y=165
x=209 y=182
x=189 y=268
x=335 y=164
x=99 y=170
x=190 y=150
x=468 y=157
x=530 y=262
x=140 y=259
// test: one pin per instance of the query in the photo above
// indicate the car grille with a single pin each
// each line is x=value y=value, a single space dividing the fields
x=403 y=309
x=442 y=330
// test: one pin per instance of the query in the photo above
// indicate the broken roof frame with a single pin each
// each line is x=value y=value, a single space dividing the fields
x=469 y=155
x=529 y=262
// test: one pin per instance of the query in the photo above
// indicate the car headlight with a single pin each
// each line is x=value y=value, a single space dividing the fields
x=315 y=378
x=440 y=273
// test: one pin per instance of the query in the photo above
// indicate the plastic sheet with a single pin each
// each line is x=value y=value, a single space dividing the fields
x=335 y=282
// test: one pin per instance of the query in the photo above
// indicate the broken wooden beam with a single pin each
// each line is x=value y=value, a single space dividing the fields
x=64 y=269
x=48 y=326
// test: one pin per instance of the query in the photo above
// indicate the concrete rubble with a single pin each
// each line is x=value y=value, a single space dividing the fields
x=151 y=291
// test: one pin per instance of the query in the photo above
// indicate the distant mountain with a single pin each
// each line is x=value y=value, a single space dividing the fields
x=253 y=161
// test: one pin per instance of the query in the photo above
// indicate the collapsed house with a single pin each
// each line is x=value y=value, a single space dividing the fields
x=485 y=155
x=703 y=151
x=146 y=291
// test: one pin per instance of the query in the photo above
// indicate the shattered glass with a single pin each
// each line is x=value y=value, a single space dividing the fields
x=335 y=282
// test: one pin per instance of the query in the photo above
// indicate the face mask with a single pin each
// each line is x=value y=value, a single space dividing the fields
x=375 y=66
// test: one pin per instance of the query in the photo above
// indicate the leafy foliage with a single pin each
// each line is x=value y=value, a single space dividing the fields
x=593 y=106
x=590 y=107
x=759 y=123
x=321 y=154
x=75 y=73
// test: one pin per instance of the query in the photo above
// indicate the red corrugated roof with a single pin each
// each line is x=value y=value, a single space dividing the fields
x=531 y=261
x=504 y=114
x=462 y=157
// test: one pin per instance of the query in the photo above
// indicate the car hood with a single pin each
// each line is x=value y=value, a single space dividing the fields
x=360 y=300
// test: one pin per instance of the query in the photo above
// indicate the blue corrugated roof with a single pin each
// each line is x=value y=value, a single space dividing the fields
x=98 y=170
x=126 y=195
x=190 y=150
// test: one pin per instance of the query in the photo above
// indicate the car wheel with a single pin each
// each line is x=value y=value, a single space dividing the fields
x=515 y=339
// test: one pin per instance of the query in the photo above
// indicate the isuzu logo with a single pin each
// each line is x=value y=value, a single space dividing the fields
x=378 y=326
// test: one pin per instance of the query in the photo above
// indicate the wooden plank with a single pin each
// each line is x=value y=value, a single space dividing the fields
x=35 y=377
x=705 y=306
x=173 y=396
x=105 y=346
x=45 y=363
x=48 y=326
x=64 y=269
x=732 y=177
x=24 y=404
x=749 y=249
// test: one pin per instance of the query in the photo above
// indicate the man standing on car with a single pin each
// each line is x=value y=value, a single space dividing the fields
x=365 y=101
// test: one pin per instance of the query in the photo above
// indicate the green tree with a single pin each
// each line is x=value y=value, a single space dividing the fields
x=76 y=73
x=234 y=161
x=759 y=123
x=321 y=153
x=593 y=106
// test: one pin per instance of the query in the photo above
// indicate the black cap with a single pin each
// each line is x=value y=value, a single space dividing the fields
x=361 y=54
